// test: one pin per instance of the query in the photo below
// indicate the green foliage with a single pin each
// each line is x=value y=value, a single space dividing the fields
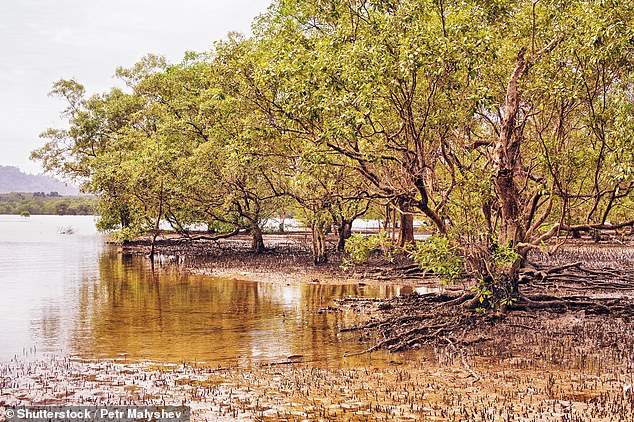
x=504 y=257
x=125 y=234
x=484 y=292
x=438 y=256
x=496 y=284
x=360 y=247
x=495 y=292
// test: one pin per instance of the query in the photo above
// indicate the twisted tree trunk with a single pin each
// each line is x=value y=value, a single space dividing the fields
x=502 y=285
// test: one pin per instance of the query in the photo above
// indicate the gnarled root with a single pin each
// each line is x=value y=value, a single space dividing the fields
x=417 y=320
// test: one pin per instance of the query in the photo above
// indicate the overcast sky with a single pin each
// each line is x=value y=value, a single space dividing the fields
x=42 y=41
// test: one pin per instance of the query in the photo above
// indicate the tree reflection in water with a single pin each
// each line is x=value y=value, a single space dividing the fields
x=169 y=315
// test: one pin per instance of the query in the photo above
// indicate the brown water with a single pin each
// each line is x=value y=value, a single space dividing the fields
x=73 y=295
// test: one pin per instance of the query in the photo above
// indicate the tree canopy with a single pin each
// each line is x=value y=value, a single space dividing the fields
x=501 y=123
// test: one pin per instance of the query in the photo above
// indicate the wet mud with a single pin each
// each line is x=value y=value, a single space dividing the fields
x=558 y=363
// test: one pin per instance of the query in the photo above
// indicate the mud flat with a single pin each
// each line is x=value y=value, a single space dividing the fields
x=570 y=361
x=567 y=366
x=571 y=374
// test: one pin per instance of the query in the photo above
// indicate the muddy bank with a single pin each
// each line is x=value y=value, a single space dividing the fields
x=568 y=366
x=572 y=368
x=287 y=259
x=582 y=281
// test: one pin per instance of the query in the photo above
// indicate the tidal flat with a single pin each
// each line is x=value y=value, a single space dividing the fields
x=567 y=368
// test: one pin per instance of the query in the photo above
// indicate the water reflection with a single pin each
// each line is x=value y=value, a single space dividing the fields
x=168 y=315
x=70 y=294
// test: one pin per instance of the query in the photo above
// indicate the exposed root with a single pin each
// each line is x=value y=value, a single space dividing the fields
x=429 y=320
x=588 y=304
x=586 y=280
x=593 y=277
x=461 y=300
x=382 y=324
x=411 y=321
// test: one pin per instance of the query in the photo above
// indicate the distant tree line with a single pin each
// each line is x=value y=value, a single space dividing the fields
x=40 y=203
x=44 y=194
x=501 y=123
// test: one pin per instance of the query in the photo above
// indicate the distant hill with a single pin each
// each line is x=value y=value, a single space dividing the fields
x=12 y=179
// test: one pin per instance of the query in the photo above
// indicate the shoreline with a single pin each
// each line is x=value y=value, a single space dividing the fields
x=287 y=260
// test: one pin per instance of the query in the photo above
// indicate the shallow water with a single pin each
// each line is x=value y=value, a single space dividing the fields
x=70 y=294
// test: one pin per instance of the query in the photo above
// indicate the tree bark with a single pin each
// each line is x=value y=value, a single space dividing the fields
x=157 y=226
x=281 y=227
x=320 y=255
x=257 y=242
x=406 y=229
x=124 y=217
x=503 y=286
x=424 y=206
x=344 y=231
x=506 y=157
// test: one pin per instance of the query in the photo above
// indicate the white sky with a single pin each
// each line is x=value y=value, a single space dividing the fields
x=42 y=41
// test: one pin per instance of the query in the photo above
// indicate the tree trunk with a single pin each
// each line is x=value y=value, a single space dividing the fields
x=406 y=229
x=506 y=160
x=392 y=211
x=157 y=226
x=152 y=248
x=319 y=244
x=344 y=231
x=503 y=285
x=257 y=242
x=124 y=217
x=281 y=227
x=388 y=217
